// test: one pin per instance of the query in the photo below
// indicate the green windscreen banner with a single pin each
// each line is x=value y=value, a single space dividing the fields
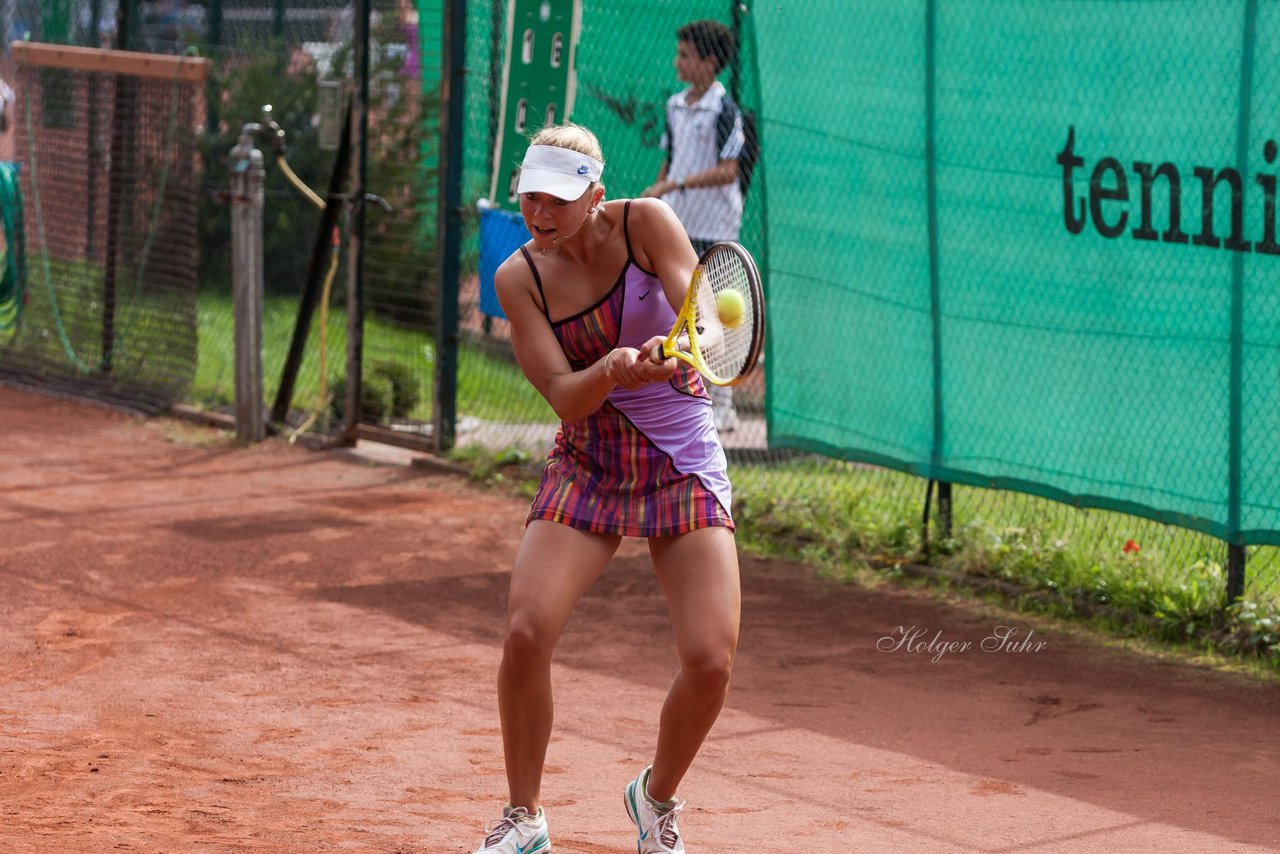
x=1028 y=245
x=1031 y=245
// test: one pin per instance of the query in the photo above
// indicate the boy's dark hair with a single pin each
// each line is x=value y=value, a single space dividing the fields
x=711 y=39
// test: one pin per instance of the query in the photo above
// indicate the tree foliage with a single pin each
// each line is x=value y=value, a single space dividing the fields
x=290 y=221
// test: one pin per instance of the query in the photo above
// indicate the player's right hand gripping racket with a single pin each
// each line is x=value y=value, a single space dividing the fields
x=720 y=328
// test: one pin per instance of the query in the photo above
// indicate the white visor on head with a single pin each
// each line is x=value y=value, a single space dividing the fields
x=559 y=172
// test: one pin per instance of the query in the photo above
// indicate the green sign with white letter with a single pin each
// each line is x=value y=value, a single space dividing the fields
x=537 y=83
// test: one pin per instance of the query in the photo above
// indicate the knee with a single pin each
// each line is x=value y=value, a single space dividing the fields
x=528 y=641
x=708 y=669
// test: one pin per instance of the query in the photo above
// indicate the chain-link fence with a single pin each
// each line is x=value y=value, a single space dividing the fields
x=100 y=215
x=952 y=296
x=929 y=309
x=298 y=58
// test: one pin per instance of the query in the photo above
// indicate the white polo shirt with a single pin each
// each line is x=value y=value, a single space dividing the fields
x=698 y=136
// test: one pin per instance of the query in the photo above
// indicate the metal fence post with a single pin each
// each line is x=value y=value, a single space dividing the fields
x=1237 y=559
x=351 y=408
x=935 y=283
x=213 y=45
x=1236 y=554
x=449 y=223
x=247 y=173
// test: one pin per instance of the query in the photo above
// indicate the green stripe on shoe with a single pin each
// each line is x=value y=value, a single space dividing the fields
x=535 y=846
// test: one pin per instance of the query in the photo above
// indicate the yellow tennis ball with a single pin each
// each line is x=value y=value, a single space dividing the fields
x=730 y=307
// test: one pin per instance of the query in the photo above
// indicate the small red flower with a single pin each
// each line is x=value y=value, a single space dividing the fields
x=1130 y=546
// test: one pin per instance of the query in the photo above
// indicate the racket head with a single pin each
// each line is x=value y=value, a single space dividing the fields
x=724 y=352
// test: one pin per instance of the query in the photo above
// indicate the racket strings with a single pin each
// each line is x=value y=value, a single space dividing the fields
x=725 y=347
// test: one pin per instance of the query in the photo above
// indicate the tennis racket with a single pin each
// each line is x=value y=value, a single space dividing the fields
x=720 y=328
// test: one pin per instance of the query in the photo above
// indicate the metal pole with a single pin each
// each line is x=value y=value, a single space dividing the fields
x=247 y=174
x=498 y=17
x=355 y=257
x=935 y=284
x=449 y=223
x=944 y=509
x=94 y=36
x=735 y=70
x=315 y=272
x=92 y=39
x=944 y=514
x=119 y=187
x=1236 y=559
x=214 y=41
x=924 y=521
x=1235 y=416
x=127 y=39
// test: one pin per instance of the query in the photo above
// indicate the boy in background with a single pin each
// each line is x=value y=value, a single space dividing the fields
x=702 y=141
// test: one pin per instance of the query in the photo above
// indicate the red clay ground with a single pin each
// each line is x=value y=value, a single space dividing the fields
x=209 y=648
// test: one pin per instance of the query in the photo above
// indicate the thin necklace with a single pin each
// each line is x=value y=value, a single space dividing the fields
x=556 y=240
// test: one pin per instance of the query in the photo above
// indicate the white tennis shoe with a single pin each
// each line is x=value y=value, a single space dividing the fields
x=658 y=833
x=517 y=832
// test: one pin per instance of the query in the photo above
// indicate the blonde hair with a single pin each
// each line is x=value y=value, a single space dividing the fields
x=570 y=136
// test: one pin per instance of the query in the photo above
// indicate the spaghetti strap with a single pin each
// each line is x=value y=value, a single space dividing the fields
x=626 y=232
x=537 y=280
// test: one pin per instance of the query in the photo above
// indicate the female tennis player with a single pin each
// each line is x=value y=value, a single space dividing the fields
x=590 y=297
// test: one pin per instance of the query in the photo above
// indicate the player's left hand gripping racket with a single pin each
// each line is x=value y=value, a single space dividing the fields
x=720 y=328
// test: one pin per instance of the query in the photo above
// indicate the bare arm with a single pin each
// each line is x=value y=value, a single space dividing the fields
x=661 y=186
x=661 y=245
x=572 y=394
x=724 y=172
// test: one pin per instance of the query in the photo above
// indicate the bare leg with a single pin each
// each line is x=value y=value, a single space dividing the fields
x=699 y=575
x=554 y=567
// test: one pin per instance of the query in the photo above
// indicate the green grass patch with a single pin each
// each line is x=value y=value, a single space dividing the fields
x=489 y=387
x=1124 y=575
x=840 y=513
x=61 y=326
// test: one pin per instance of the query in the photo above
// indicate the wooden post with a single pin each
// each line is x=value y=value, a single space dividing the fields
x=247 y=175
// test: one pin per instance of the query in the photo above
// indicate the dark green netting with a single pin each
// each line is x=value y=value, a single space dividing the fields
x=929 y=307
x=931 y=310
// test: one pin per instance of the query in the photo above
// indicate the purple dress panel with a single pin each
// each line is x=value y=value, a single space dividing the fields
x=676 y=416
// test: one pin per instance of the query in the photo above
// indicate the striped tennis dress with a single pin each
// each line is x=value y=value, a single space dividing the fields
x=648 y=462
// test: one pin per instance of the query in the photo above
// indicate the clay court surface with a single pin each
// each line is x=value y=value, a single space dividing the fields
x=209 y=648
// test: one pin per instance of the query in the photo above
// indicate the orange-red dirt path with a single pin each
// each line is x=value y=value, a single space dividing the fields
x=212 y=648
